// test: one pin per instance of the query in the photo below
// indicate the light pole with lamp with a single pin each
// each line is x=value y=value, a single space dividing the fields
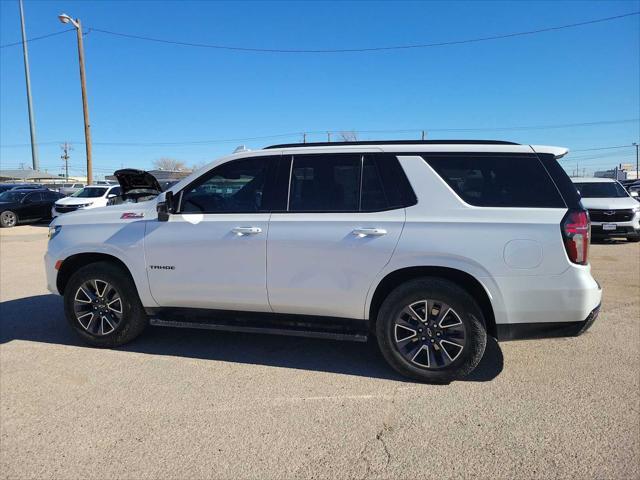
x=64 y=18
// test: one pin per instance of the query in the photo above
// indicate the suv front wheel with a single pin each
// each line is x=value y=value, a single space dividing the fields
x=431 y=330
x=102 y=305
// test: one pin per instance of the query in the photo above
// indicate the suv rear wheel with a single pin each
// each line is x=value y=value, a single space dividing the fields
x=432 y=330
x=102 y=305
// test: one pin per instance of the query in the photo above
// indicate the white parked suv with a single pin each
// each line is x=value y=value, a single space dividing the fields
x=427 y=246
x=612 y=210
x=91 y=196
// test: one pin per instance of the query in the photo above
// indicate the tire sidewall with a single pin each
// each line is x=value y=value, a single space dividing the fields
x=131 y=307
x=456 y=298
x=2 y=224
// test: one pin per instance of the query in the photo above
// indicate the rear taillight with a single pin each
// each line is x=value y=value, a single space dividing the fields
x=576 y=230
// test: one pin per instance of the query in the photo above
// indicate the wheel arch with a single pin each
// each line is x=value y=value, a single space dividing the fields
x=72 y=263
x=465 y=280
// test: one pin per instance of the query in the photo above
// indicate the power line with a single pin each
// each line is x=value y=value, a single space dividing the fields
x=41 y=37
x=339 y=50
x=417 y=131
x=370 y=49
x=602 y=148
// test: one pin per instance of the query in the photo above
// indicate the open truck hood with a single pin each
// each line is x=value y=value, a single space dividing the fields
x=132 y=179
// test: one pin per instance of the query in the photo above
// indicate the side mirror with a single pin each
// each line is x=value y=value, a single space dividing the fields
x=633 y=194
x=111 y=195
x=166 y=207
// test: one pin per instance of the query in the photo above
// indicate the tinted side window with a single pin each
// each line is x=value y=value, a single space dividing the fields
x=561 y=180
x=115 y=191
x=384 y=184
x=373 y=197
x=328 y=183
x=498 y=180
x=277 y=185
x=233 y=187
x=33 y=197
x=51 y=196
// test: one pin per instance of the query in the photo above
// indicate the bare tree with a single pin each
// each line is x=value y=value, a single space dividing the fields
x=198 y=165
x=169 y=164
x=348 y=136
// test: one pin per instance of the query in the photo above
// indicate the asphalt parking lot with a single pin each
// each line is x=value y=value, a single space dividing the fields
x=200 y=404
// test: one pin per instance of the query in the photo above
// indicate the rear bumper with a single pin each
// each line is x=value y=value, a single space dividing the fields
x=522 y=331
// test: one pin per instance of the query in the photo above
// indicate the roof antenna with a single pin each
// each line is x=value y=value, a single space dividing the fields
x=240 y=149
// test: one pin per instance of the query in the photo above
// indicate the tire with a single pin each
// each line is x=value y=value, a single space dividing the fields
x=455 y=319
x=633 y=239
x=8 y=219
x=105 y=327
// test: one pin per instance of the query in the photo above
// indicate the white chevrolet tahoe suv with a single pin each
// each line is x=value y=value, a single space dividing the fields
x=612 y=210
x=427 y=246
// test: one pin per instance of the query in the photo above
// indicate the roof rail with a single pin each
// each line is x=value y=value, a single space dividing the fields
x=393 y=142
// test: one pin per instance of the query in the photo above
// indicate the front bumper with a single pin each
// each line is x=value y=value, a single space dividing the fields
x=522 y=331
x=621 y=230
x=51 y=272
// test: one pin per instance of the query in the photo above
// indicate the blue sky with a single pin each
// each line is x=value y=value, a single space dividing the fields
x=145 y=92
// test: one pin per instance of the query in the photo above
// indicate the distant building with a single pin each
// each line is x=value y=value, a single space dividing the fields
x=624 y=171
x=26 y=175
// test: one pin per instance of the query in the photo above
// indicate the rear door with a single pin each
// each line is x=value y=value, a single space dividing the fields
x=49 y=199
x=340 y=227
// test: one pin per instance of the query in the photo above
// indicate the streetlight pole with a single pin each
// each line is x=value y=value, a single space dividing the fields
x=64 y=18
x=32 y=120
x=637 y=170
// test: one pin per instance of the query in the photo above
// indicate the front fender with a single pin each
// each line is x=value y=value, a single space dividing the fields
x=123 y=241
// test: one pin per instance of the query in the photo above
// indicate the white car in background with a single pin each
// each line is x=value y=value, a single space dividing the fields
x=612 y=210
x=91 y=196
x=70 y=188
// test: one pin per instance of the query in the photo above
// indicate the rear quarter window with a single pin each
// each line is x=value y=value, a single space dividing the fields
x=498 y=180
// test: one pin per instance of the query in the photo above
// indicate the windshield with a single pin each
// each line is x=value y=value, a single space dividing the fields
x=12 y=196
x=601 y=190
x=90 y=192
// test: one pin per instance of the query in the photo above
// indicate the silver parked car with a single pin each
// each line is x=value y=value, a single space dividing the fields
x=70 y=188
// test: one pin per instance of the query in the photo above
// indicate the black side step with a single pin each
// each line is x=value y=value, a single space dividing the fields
x=265 y=323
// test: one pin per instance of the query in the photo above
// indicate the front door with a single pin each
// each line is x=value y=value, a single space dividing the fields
x=212 y=252
x=342 y=224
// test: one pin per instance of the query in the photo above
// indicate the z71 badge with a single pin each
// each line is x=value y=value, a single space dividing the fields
x=131 y=215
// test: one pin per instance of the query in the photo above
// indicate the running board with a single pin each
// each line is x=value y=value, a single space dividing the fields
x=269 y=324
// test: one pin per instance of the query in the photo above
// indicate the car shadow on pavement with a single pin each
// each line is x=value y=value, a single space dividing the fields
x=41 y=319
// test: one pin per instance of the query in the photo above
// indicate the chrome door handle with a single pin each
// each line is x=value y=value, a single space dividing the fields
x=246 y=230
x=369 y=232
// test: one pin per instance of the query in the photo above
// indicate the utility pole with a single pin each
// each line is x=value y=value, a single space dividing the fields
x=32 y=120
x=329 y=137
x=64 y=18
x=422 y=134
x=304 y=138
x=635 y=144
x=66 y=147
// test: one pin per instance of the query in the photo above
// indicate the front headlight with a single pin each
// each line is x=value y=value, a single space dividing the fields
x=84 y=205
x=53 y=231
